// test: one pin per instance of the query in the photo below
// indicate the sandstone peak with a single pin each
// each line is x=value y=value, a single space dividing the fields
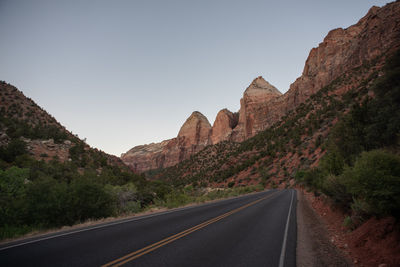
x=224 y=111
x=260 y=85
x=196 y=118
x=197 y=115
x=223 y=125
x=196 y=128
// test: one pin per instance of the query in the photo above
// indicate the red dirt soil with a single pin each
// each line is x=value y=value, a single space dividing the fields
x=375 y=243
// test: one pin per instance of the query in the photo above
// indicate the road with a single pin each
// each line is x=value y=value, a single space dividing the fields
x=253 y=230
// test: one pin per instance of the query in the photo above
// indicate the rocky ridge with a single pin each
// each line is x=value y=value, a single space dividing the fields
x=262 y=104
x=45 y=138
x=193 y=136
x=197 y=133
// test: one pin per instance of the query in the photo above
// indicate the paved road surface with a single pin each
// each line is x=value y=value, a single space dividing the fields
x=252 y=230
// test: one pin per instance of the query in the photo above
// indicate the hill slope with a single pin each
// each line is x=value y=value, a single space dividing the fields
x=45 y=138
x=50 y=178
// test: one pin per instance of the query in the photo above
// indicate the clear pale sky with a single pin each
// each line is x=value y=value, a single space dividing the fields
x=126 y=73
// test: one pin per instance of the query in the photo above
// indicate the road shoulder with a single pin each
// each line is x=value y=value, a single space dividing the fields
x=314 y=248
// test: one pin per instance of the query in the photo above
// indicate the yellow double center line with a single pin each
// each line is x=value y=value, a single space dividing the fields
x=145 y=250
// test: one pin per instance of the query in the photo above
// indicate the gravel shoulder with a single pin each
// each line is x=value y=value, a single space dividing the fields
x=314 y=248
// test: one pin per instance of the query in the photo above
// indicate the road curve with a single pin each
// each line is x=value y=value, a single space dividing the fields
x=253 y=230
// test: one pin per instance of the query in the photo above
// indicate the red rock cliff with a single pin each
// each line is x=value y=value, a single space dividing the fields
x=193 y=136
x=253 y=109
x=223 y=125
x=262 y=104
x=344 y=49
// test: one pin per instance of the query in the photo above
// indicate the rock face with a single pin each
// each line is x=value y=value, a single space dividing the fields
x=262 y=104
x=223 y=125
x=344 y=49
x=195 y=132
x=193 y=136
x=146 y=157
x=253 y=109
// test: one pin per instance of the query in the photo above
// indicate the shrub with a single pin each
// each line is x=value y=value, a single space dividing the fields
x=333 y=161
x=361 y=208
x=375 y=180
x=90 y=200
x=312 y=178
x=48 y=203
x=126 y=197
x=15 y=148
x=334 y=187
x=176 y=199
x=348 y=223
x=12 y=194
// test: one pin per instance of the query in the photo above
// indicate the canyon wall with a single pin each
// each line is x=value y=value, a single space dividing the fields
x=262 y=104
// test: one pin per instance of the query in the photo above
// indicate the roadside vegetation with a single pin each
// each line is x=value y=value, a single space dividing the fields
x=361 y=169
x=39 y=195
x=35 y=195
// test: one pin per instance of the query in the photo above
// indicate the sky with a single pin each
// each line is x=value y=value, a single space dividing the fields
x=124 y=73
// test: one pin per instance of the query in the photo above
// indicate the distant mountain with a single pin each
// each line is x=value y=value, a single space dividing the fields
x=262 y=105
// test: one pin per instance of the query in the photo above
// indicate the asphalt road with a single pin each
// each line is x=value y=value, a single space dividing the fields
x=252 y=230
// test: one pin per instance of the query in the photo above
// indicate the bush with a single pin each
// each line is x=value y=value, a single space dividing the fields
x=176 y=199
x=90 y=200
x=375 y=180
x=334 y=187
x=15 y=148
x=348 y=223
x=313 y=178
x=12 y=194
x=333 y=161
x=48 y=203
x=126 y=197
x=361 y=209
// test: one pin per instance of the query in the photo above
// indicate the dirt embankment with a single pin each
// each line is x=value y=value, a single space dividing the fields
x=375 y=243
x=314 y=247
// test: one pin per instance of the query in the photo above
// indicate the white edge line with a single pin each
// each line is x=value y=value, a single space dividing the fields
x=283 y=251
x=115 y=223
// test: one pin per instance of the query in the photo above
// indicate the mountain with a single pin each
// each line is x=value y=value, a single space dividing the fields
x=345 y=102
x=193 y=136
x=197 y=133
x=43 y=137
x=262 y=105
